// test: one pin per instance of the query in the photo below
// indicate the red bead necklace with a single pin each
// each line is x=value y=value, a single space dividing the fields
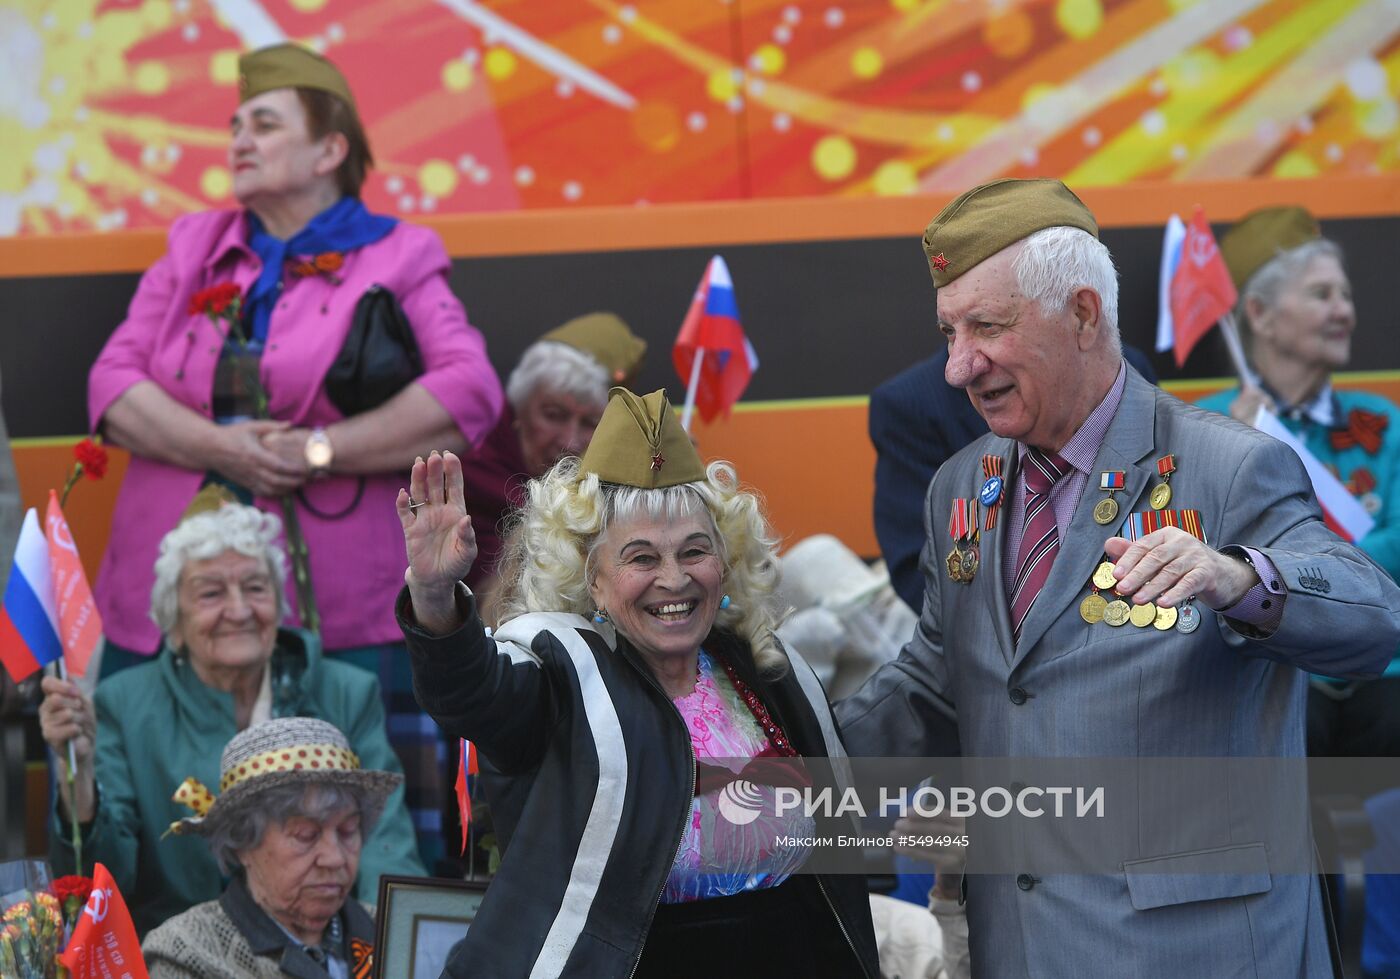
x=776 y=736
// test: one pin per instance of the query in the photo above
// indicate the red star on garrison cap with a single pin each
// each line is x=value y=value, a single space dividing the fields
x=657 y=461
x=938 y=262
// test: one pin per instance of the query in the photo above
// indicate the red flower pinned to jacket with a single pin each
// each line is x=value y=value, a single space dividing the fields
x=215 y=300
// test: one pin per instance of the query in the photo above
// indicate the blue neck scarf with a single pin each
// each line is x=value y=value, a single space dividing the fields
x=342 y=227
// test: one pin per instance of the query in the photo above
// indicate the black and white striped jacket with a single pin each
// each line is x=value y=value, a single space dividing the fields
x=595 y=787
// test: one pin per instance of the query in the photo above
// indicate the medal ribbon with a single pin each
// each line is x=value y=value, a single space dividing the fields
x=1112 y=480
x=1166 y=465
x=991 y=466
x=958 y=519
x=1145 y=522
x=1363 y=428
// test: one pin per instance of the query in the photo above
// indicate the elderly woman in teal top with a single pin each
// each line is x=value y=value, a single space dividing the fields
x=1295 y=301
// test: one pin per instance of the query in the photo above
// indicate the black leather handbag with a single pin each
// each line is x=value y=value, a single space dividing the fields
x=380 y=357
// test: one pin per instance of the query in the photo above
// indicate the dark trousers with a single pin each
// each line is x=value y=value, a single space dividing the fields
x=789 y=930
x=1364 y=724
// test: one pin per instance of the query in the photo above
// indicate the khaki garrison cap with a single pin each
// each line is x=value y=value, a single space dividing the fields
x=608 y=340
x=289 y=66
x=1260 y=236
x=984 y=220
x=638 y=442
x=212 y=497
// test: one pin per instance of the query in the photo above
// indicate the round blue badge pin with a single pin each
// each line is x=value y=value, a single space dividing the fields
x=991 y=491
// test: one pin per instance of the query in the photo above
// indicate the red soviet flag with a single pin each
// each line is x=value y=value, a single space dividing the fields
x=1201 y=290
x=104 y=943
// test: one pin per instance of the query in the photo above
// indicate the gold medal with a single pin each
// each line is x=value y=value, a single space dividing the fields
x=1162 y=492
x=955 y=565
x=1092 y=608
x=1143 y=616
x=1105 y=510
x=1166 y=618
x=1103 y=576
x=1116 y=612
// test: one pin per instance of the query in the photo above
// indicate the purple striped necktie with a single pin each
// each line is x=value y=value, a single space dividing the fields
x=1041 y=540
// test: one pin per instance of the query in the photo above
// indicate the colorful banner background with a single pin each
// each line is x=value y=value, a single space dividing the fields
x=113 y=112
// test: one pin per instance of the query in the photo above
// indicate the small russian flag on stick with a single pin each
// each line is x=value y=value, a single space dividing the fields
x=28 y=620
x=711 y=350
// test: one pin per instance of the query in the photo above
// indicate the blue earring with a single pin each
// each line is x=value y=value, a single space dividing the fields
x=724 y=602
x=600 y=616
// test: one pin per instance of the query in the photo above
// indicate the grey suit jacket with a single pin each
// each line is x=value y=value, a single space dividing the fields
x=1069 y=689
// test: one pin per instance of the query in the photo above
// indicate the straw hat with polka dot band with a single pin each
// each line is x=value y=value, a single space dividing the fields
x=282 y=751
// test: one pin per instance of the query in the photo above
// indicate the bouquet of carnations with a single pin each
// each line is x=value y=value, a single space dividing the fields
x=36 y=919
x=32 y=938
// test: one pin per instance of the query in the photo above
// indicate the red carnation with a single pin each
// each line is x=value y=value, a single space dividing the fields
x=71 y=886
x=214 y=300
x=93 y=458
x=329 y=261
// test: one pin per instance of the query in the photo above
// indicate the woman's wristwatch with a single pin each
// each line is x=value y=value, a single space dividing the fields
x=319 y=452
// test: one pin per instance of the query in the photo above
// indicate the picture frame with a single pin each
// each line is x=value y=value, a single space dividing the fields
x=419 y=920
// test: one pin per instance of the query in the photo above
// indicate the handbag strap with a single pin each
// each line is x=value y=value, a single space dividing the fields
x=340 y=514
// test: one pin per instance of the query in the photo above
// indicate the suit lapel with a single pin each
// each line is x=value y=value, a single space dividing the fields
x=993 y=543
x=1127 y=446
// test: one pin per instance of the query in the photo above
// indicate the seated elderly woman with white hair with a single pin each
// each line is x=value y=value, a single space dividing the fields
x=287 y=827
x=555 y=396
x=225 y=666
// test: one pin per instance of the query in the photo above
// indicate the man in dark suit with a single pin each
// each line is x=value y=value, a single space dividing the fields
x=917 y=421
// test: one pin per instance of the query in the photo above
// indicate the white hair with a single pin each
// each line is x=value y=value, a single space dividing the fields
x=557 y=367
x=1269 y=279
x=232 y=527
x=1055 y=263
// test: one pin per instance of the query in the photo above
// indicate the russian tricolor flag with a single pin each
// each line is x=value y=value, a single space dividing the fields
x=28 y=619
x=712 y=333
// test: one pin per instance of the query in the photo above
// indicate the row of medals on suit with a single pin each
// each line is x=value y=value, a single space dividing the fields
x=965 y=557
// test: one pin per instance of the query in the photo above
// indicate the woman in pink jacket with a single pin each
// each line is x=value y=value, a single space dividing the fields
x=236 y=393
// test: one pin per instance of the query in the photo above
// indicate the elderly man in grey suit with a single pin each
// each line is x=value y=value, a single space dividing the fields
x=1218 y=589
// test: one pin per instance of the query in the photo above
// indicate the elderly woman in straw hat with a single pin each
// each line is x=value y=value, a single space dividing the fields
x=1295 y=302
x=288 y=825
x=226 y=665
x=555 y=396
x=635 y=679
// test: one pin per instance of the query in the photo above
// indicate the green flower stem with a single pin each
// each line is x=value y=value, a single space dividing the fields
x=291 y=525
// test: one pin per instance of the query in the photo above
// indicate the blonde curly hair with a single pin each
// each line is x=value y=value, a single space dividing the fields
x=549 y=560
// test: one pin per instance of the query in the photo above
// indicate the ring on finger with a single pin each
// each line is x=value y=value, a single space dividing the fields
x=414 y=506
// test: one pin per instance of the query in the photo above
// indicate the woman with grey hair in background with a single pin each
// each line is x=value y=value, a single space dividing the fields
x=554 y=398
x=287 y=827
x=225 y=665
x=1295 y=302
